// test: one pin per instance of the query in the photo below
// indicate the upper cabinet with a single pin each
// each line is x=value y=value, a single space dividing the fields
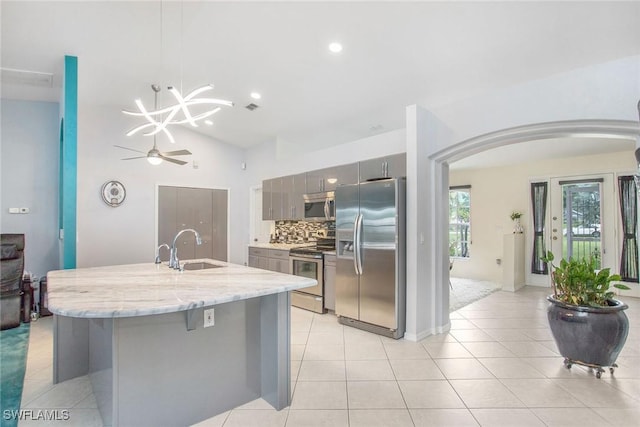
x=293 y=190
x=384 y=167
x=282 y=198
x=323 y=180
x=272 y=199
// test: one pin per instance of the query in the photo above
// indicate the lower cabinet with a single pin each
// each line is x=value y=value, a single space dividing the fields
x=269 y=259
x=330 y=282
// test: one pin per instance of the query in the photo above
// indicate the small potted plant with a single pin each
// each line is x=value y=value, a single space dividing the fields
x=515 y=216
x=588 y=324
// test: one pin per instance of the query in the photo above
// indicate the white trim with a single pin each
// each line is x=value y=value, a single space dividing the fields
x=424 y=334
x=625 y=129
x=437 y=165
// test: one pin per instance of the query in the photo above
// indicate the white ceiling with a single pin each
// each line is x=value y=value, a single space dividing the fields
x=395 y=54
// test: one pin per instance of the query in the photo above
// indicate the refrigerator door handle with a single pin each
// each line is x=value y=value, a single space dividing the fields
x=355 y=247
x=358 y=244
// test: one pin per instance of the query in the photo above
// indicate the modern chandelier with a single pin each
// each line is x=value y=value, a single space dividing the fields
x=177 y=114
x=188 y=109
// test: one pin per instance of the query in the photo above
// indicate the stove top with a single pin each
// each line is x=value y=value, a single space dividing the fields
x=322 y=245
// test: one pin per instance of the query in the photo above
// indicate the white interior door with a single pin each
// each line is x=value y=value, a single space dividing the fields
x=582 y=218
x=259 y=230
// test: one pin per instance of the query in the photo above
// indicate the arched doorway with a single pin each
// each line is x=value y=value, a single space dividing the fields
x=440 y=160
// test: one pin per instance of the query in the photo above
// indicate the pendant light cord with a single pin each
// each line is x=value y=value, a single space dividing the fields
x=181 y=43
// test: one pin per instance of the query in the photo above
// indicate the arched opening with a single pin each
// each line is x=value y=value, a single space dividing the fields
x=622 y=133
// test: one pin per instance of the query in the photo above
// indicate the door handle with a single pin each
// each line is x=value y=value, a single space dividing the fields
x=555 y=237
x=326 y=209
x=358 y=244
x=354 y=240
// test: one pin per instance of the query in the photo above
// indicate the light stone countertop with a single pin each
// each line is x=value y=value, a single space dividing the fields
x=145 y=289
x=281 y=246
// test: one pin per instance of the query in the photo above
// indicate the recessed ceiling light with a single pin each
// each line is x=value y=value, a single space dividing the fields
x=208 y=122
x=256 y=95
x=335 y=47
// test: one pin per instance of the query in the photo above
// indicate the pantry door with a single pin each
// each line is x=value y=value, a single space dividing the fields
x=204 y=210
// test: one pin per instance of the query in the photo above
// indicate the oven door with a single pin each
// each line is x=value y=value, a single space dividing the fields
x=310 y=268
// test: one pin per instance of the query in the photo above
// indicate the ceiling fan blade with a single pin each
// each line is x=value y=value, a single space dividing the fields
x=176 y=161
x=132 y=158
x=177 y=153
x=131 y=149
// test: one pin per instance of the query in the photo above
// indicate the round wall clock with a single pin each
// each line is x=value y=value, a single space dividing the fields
x=113 y=193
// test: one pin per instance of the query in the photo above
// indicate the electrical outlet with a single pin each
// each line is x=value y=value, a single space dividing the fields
x=208 y=317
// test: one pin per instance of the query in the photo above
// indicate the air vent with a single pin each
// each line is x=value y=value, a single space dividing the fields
x=26 y=77
x=251 y=106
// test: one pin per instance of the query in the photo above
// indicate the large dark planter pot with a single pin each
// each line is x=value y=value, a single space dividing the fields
x=591 y=336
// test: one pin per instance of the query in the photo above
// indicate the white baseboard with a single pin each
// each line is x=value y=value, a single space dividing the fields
x=424 y=334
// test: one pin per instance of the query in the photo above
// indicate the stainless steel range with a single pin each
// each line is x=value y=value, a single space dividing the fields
x=309 y=262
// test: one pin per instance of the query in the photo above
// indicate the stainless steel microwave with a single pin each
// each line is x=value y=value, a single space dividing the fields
x=320 y=206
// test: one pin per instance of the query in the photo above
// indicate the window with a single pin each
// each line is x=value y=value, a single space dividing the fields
x=459 y=221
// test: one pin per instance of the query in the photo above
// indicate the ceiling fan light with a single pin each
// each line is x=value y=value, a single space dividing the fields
x=154 y=160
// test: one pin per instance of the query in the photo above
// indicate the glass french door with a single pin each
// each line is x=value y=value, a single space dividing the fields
x=582 y=219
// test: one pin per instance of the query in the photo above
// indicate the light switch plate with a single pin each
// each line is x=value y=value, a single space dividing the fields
x=209 y=319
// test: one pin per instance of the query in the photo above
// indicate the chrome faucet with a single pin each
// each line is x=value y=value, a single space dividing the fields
x=164 y=245
x=174 y=262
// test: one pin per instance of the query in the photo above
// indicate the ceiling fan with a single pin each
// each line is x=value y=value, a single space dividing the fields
x=155 y=156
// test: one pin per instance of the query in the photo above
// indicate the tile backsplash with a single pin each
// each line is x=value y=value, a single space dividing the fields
x=301 y=231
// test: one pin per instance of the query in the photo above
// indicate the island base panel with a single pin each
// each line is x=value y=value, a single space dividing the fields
x=70 y=348
x=160 y=373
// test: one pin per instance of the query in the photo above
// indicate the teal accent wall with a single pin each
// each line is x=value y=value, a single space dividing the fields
x=69 y=161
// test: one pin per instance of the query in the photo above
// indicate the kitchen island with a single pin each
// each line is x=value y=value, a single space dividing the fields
x=139 y=332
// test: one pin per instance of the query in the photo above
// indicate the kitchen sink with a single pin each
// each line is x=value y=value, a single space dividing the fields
x=200 y=266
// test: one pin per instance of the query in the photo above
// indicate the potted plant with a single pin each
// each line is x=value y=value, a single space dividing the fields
x=588 y=324
x=515 y=216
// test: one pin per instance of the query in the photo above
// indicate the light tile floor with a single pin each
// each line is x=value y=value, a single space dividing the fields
x=498 y=366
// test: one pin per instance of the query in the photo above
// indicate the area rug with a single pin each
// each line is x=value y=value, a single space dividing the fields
x=465 y=291
x=13 y=362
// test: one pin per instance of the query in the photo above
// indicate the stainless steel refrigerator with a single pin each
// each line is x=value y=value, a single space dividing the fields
x=370 y=246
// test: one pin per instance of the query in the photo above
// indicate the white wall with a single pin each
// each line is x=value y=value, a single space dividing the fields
x=30 y=150
x=272 y=159
x=496 y=192
x=603 y=91
x=126 y=234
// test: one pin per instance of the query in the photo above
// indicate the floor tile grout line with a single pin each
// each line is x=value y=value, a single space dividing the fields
x=346 y=378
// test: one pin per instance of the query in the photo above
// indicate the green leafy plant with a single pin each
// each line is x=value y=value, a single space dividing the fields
x=578 y=282
x=515 y=215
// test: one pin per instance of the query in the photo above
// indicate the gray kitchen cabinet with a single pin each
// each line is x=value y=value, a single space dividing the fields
x=323 y=180
x=340 y=175
x=384 y=167
x=259 y=258
x=330 y=281
x=293 y=190
x=269 y=259
x=279 y=260
x=272 y=199
x=315 y=181
x=259 y=262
